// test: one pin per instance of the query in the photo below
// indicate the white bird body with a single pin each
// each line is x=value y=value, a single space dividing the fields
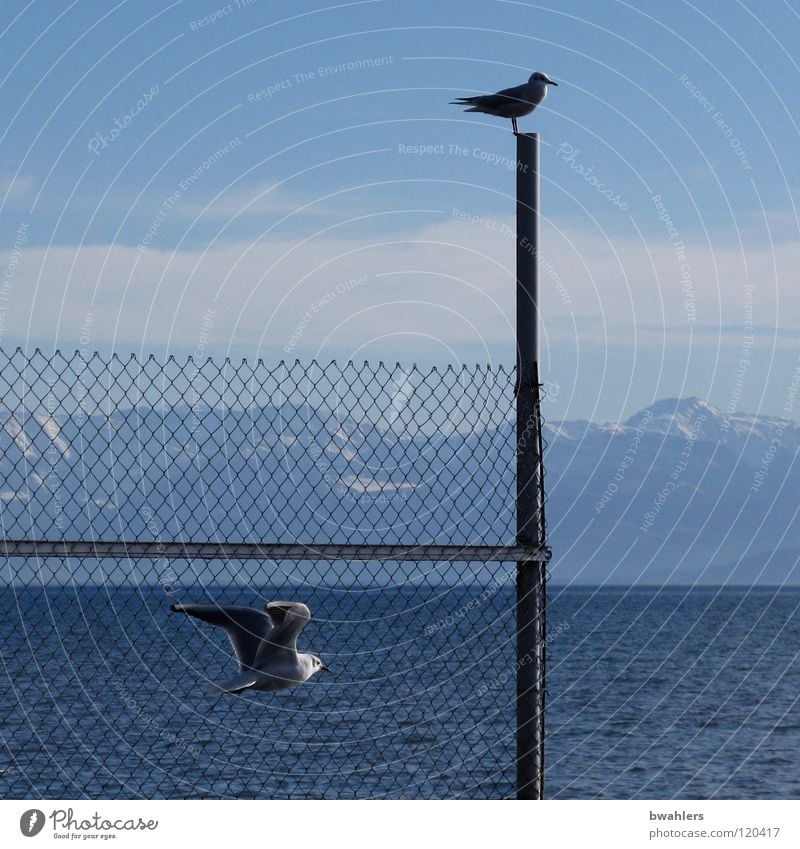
x=510 y=103
x=265 y=643
x=283 y=673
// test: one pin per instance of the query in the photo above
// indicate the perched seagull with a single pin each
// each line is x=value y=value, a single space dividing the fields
x=510 y=102
x=265 y=643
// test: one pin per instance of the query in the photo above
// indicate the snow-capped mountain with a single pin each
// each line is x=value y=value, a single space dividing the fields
x=678 y=492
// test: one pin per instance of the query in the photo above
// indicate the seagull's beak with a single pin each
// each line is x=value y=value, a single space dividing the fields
x=551 y=82
x=325 y=668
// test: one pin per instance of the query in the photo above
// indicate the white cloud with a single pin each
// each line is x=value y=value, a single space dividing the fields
x=16 y=189
x=251 y=202
x=452 y=283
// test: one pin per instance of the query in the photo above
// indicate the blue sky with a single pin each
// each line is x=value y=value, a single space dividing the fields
x=275 y=179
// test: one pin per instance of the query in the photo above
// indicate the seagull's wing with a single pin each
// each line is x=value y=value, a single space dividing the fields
x=518 y=92
x=246 y=627
x=493 y=102
x=288 y=620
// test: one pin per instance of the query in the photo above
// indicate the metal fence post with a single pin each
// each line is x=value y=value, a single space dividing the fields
x=531 y=574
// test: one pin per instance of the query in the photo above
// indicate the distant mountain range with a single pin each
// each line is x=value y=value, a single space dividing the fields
x=678 y=493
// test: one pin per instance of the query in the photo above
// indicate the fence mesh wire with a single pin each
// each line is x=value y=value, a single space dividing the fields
x=110 y=695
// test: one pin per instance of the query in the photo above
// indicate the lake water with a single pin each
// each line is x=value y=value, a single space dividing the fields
x=652 y=694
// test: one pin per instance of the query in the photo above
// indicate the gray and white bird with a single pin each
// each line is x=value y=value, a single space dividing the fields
x=265 y=643
x=510 y=103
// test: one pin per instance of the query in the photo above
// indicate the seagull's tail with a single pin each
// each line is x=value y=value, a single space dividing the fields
x=239 y=682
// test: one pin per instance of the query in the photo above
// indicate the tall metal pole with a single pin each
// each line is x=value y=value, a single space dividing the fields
x=531 y=574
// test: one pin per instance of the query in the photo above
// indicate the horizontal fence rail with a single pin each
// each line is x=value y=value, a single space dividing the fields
x=276 y=551
x=380 y=496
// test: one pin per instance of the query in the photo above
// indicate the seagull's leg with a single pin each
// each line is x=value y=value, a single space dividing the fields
x=514 y=125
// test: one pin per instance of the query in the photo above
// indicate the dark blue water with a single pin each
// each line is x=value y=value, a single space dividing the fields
x=652 y=694
x=675 y=693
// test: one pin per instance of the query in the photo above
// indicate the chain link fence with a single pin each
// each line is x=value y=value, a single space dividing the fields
x=382 y=497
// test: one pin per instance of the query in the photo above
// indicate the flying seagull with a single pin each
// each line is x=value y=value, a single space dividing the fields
x=510 y=102
x=265 y=643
